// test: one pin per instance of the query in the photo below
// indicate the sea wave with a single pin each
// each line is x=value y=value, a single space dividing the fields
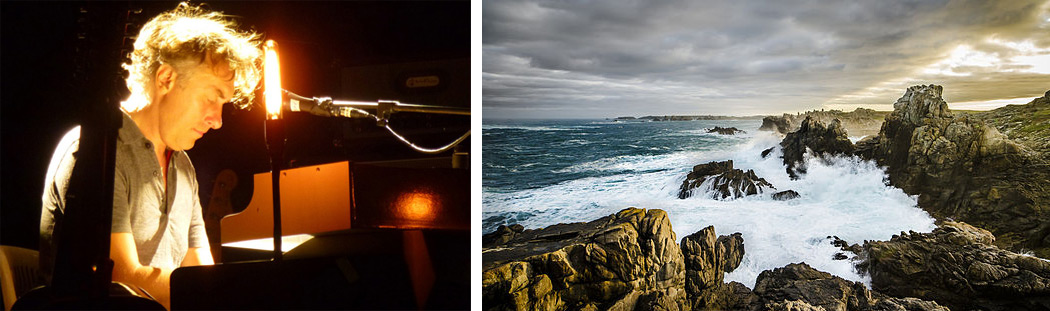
x=487 y=127
x=839 y=196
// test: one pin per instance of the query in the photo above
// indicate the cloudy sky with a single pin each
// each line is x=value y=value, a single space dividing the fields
x=608 y=58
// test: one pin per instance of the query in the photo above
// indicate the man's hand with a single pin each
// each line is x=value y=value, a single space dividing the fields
x=197 y=256
x=127 y=269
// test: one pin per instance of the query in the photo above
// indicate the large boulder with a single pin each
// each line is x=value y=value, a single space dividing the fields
x=725 y=130
x=707 y=259
x=965 y=170
x=798 y=286
x=799 y=281
x=815 y=136
x=957 y=266
x=723 y=181
x=781 y=124
x=623 y=261
x=785 y=195
x=503 y=234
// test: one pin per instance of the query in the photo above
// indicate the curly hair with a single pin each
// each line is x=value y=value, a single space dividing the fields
x=183 y=38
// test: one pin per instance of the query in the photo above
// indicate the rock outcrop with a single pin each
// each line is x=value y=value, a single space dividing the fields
x=723 y=181
x=765 y=153
x=957 y=266
x=785 y=195
x=629 y=261
x=1028 y=124
x=860 y=122
x=813 y=135
x=707 y=259
x=725 y=130
x=503 y=234
x=798 y=286
x=781 y=124
x=626 y=261
x=965 y=170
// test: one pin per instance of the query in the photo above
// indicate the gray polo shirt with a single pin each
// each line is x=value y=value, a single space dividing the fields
x=165 y=222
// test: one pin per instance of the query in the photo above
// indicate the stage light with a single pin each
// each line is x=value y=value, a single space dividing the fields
x=417 y=205
x=272 y=75
x=273 y=127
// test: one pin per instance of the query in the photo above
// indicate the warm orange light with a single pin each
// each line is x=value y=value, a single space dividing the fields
x=417 y=205
x=272 y=77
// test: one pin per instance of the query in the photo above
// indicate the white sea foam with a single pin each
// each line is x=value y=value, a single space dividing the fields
x=842 y=197
x=631 y=163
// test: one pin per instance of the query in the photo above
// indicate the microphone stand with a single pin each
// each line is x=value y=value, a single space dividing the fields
x=274 y=129
x=326 y=107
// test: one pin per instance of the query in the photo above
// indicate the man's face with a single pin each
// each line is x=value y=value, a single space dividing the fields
x=194 y=105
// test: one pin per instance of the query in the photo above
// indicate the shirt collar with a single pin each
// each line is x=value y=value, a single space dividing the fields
x=129 y=131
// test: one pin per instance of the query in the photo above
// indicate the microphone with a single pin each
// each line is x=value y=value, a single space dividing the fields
x=326 y=107
x=314 y=106
x=320 y=106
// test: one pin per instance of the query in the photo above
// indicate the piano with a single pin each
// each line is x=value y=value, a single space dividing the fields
x=357 y=235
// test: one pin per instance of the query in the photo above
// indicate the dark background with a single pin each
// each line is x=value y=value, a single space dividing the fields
x=345 y=50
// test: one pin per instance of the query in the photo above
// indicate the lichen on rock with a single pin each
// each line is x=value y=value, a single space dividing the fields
x=957 y=266
x=610 y=263
x=963 y=169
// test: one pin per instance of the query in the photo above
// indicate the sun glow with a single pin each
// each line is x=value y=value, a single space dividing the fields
x=962 y=58
x=994 y=56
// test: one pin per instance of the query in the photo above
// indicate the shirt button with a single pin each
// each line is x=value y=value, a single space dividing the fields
x=155 y=174
x=149 y=145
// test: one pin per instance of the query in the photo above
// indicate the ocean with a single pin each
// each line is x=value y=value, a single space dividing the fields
x=542 y=172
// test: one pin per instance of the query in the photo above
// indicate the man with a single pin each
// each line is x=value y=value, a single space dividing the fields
x=186 y=64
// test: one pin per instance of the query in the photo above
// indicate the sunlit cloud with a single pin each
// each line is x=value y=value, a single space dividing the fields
x=545 y=58
x=1019 y=71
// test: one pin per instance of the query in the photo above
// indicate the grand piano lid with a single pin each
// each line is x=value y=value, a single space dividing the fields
x=404 y=194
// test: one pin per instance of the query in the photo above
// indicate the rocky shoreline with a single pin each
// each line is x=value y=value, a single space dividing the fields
x=630 y=261
x=965 y=170
x=989 y=192
x=858 y=123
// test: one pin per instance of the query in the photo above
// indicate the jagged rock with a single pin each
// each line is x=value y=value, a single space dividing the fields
x=957 y=266
x=725 y=181
x=906 y=304
x=707 y=259
x=1028 y=124
x=785 y=195
x=799 y=281
x=629 y=261
x=782 y=124
x=765 y=153
x=656 y=301
x=793 y=305
x=965 y=170
x=845 y=247
x=859 y=122
x=815 y=136
x=501 y=235
x=609 y=263
x=725 y=130
x=865 y=148
x=800 y=286
x=724 y=296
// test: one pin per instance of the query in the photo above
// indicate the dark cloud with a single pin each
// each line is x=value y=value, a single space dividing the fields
x=609 y=58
